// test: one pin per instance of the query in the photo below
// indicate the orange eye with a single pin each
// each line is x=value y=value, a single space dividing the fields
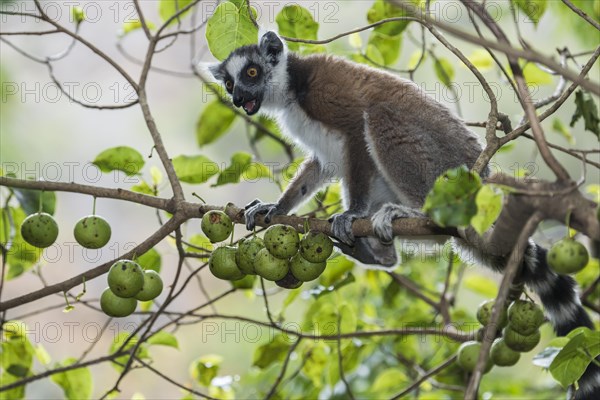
x=229 y=85
x=252 y=72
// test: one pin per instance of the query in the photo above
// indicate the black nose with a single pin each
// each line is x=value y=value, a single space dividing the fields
x=238 y=99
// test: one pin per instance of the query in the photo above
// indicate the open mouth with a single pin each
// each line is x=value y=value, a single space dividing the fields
x=251 y=107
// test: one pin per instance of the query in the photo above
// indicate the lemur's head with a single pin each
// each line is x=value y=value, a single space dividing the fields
x=251 y=73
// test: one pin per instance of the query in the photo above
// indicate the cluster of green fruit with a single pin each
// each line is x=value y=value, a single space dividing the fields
x=281 y=256
x=519 y=324
x=128 y=283
x=567 y=256
x=41 y=230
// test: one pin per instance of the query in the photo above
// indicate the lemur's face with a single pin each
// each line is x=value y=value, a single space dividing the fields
x=248 y=70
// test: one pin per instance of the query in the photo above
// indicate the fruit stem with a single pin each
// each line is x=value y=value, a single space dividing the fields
x=306 y=225
x=67 y=300
x=201 y=199
x=41 y=203
x=94 y=206
x=568 y=222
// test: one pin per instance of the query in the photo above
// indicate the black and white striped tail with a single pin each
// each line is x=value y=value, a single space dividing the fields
x=558 y=294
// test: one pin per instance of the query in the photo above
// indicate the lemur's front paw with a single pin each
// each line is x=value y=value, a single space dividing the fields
x=258 y=207
x=341 y=226
x=383 y=218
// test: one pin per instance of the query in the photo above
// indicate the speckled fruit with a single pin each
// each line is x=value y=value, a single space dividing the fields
x=92 y=232
x=223 y=265
x=289 y=282
x=567 y=256
x=316 y=247
x=246 y=254
x=270 y=267
x=153 y=286
x=524 y=317
x=467 y=356
x=282 y=241
x=484 y=313
x=518 y=342
x=502 y=355
x=216 y=225
x=125 y=278
x=305 y=270
x=115 y=306
x=39 y=230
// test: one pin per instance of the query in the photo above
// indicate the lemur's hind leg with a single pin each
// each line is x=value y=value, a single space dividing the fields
x=401 y=158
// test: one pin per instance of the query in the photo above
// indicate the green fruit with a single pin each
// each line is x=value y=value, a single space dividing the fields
x=216 y=225
x=246 y=254
x=222 y=264
x=246 y=282
x=467 y=356
x=92 y=232
x=282 y=241
x=270 y=267
x=39 y=230
x=115 y=306
x=316 y=247
x=125 y=278
x=502 y=355
x=484 y=313
x=289 y=282
x=567 y=256
x=518 y=342
x=524 y=317
x=305 y=270
x=153 y=286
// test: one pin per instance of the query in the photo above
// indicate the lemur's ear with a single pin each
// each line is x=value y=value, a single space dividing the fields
x=216 y=70
x=272 y=46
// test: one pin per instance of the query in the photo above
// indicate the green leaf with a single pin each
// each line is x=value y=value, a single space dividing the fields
x=414 y=59
x=121 y=158
x=133 y=25
x=16 y=393
x=168 y=8
x=268 y=124
x=150 y=260
x=199 y=241
x=572 y=361
x=535 y=76
x=30 y=200
x=143 y=188
x=296 y=22
x=336 y=270
x=229 y=28
x=323 y=290
x=451 y=201
x=316 y=358
x=119 y=340
x=558 y=126
x=76 y=383
x=239 y=162
x=489 y=206
x=194 y=169
x=374 y=56
x=533 y=9
x=164 y=339
x=444 y=71
x=42 y=355
x=586 y=108
x=382 y=9
x=206 y=368
x=388 y=46
x=389 y=381
x=481 y=59
x=214 y=122
x=481 y=284
x=271 y=352
x=17 y=355
x=545 y=357
x=21 y=256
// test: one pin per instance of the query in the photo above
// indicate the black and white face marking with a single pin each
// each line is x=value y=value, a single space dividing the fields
x=248 y=72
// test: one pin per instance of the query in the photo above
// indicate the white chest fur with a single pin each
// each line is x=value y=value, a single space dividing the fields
x=313 y=137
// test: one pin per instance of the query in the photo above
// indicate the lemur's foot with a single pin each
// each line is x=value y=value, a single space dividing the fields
x=341 y=226
x=383 y=218
x=258 y=207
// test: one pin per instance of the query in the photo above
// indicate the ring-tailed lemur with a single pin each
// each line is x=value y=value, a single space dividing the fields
x=388 y=142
